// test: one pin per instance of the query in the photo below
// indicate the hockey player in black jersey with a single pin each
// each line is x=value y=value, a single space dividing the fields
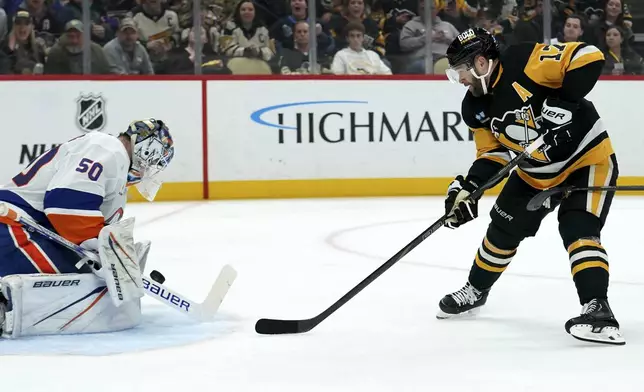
x=514 y=97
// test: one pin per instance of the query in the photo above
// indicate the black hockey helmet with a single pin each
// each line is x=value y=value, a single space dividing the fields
x=464 y=49
x=471 y=43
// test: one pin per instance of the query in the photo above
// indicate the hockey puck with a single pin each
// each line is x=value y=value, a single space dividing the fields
x=157 y=276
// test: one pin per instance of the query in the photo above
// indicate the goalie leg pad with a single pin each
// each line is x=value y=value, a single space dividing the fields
x=119 y=260
x=142 y=251
x=63 y=304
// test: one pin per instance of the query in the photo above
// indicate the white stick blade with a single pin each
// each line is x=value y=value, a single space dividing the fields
x=218 y=292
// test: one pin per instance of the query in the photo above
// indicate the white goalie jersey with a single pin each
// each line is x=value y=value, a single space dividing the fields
x=76 y=188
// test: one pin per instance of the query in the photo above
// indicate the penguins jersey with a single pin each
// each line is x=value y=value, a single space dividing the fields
x=508 y=118
x=76 y=188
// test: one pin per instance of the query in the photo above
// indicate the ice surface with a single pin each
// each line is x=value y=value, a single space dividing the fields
x=296 y=257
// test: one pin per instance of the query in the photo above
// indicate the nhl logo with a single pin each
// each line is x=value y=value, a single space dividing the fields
x=90 y=113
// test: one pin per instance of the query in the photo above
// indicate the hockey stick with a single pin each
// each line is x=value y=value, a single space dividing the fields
x=273 y=326
x=537 y=201
x=201 y=312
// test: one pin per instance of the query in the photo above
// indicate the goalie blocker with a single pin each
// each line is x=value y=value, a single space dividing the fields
x=106 y=301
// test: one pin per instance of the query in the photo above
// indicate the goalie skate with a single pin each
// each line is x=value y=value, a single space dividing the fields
x=596 y=324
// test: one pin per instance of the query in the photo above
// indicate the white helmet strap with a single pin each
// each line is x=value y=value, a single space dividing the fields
x=482 y=77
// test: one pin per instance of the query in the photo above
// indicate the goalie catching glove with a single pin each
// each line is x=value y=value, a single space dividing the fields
x=460 y=209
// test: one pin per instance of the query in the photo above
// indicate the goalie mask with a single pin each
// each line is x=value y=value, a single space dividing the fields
x=152 y=151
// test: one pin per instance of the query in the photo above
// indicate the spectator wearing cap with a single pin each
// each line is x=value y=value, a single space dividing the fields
x=355 y=59
x=66 y=57
x=25 y=54
x=101 y=30
x=44 y=19
x=125 y=54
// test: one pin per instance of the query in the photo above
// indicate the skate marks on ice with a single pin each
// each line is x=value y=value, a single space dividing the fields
x=343 y=241
x=505 y=323
x=159 y=329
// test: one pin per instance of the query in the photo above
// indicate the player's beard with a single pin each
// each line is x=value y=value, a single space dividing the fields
x=476 y=88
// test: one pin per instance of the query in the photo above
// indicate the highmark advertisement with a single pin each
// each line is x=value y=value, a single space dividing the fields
x=336 y=129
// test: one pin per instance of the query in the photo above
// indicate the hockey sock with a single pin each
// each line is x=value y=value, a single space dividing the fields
x=589 y=267
x=489 y=264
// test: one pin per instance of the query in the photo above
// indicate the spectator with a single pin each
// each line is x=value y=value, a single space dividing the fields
x=398 y=12
x=595 y=9
x=249 y=37
x=282 y=30
x=326 y=8
x=5 y=64
x=614 y=15
x=573 y=30
x=412 y=39
x=125 y=54
x=354 y=11
x=458 y=13
x=223 y=9
x=101 y=32
x=181 y=60
x=620 y=58
x=44 y=20
x=296 y=60
x=355 y=59
x=25 y=54
x=3 y=24
x=158 y=27
x=270 y=11
x=66 y=57
x=529 y=27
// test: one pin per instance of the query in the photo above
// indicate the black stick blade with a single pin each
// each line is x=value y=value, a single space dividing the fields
x=279 y=327
x=276 y=327
x=537 y=201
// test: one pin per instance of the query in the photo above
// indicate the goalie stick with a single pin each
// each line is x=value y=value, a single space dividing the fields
x=537 y=201
x=201 y=312
x=274 y=326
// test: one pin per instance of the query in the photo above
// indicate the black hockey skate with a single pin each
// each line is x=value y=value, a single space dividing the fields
x=466 y=300
x=596 y=324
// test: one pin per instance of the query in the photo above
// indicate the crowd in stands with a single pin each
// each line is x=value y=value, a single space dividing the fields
x=143 y=37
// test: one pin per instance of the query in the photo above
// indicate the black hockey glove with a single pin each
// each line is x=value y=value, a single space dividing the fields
x=556 y=118
x=463 y=210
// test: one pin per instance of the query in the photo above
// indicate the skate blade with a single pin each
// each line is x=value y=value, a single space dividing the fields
x=608 y=335
x=470 y=313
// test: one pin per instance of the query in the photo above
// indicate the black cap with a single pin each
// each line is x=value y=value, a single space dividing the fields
x=22 y=15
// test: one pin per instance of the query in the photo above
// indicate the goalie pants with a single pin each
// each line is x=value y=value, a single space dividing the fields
x=581 y=218
x=22 y=252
